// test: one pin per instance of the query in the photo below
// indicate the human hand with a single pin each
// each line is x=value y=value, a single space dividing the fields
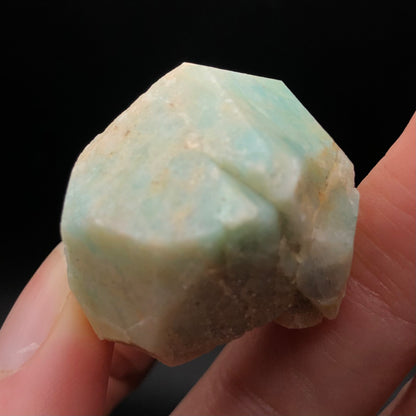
x=51 y=362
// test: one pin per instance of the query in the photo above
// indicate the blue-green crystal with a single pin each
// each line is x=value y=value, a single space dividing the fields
x=214 y=204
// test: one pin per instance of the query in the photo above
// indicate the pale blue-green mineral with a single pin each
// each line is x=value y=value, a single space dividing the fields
x=214 y=204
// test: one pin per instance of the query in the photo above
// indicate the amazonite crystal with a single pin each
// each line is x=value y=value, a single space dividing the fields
x=214 y=204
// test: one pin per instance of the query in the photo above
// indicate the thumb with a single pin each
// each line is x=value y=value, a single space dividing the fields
x=49 y=354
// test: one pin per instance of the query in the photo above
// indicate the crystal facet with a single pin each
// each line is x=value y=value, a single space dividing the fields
x=214 y=204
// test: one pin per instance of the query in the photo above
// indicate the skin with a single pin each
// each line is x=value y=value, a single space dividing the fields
x=348 y=366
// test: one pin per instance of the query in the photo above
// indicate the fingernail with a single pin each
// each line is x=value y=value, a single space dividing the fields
x=34 y=313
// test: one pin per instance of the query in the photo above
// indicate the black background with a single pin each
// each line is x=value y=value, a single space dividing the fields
x=70 y=67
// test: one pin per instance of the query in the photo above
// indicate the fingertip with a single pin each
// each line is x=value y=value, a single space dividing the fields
x=34 y=313
x=408 y=136
x=68 y=371
x=400 y=160
x=385 y=242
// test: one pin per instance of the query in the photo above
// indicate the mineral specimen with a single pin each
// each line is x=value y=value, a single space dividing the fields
x=214 y=204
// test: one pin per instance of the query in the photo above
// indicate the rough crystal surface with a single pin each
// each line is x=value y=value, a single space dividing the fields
x=215 y=203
